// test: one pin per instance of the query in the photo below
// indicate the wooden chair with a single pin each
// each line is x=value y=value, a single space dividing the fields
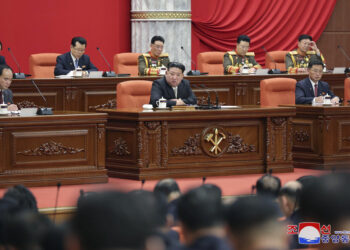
x=42 y=65
x=211 y=62
x=126 y=63
x=133 y=94
x=277 y=91
x=279 y=58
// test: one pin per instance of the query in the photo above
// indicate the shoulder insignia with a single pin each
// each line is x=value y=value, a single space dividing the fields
x=232 y=52
x=164 y=55
x=311 y=52
x=294 y=52
x=250 y=54
x=146 y=55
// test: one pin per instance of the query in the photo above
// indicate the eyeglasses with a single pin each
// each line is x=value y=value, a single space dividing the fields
x=79 y=50
x=158 y=46
x=316 y=71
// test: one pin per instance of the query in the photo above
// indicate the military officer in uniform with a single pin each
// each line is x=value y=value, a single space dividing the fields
x=298 y=60
x=150 y=63
x=234 y=61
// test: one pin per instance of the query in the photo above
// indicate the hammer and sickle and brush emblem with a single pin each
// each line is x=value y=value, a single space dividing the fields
x=215 y=140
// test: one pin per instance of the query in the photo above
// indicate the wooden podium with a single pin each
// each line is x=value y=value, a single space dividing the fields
x=164 y=143
x=321 y=137
x=67 y=147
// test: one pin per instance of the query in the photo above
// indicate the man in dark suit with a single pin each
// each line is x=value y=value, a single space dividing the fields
x=2 y=58
x=6 y=75
x=173 y=87
x=305 y=89
x=74 y=59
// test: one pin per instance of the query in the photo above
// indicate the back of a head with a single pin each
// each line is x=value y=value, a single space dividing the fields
x=291 y=189
x=113 y=220
x=24 y=197
x=167 y=187
x=201 y=207
x=268 y=185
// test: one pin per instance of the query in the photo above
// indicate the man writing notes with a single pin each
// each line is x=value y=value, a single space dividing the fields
x=312 y=89
x=6 y=75
x=297 y=60
x=75 y=59
x=150 y=63
x=234 y=61
x=173 y=87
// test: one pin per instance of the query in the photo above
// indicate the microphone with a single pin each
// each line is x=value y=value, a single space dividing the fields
x=271 y=71
x=18 y=75
x=194 y=72
x=42 y=111
x=109 y=73
x=56 y=202
x=203 y=180
x=142 y=183
x=347 y=70
x=216 y=96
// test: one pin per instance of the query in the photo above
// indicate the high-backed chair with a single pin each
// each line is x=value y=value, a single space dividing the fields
x=42 y=65
x=277 y=91
x=279 y=58
x=211 y=62
x=126 y=63
x=346 y=90
x=133 y=94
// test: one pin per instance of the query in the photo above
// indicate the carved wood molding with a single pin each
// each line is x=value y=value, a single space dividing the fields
x=152 y=125
x=110 y=104
x=51 y=170
x=191 y=146
x=346 y=139
x=164 y=153
x=51 y=148
x=120 y=147
x=26 y=104
x=301 y=135
x=279 y=121
x=237 y=145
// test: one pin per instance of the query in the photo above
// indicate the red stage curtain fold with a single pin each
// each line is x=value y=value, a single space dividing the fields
x=274 y=24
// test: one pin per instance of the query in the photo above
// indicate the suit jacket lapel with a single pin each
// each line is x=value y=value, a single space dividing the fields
x=310 y=87
x=169 y=90
x=70 y=61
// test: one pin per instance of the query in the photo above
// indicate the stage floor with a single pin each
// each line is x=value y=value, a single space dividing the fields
x=230 y=185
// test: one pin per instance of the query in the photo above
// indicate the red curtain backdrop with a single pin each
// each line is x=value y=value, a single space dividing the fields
x=274 y=24
x=42 y=26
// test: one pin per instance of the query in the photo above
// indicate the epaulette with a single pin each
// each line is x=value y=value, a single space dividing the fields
x=293 y=52
x=232 y=52
x=250 y=54
x=146 y=55
x=164 y=55
x=311 y=52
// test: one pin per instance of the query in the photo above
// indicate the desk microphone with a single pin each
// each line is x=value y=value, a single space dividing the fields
x=271 y=71
x=216 y=96
x=194 y=72
x=109 y=73
x=42 y=111
x=347 y=70
x=18 y=75
x=56 y=202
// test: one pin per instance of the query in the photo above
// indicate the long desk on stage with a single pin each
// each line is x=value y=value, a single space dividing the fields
x=87 y=94
x=321 y=137
x=164 y=143
x=67 y=147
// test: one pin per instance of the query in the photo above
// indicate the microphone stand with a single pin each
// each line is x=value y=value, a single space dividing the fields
x=194 y=72
x=109 y=73
x=347 y=70
x=18 y=75
x=42 y=111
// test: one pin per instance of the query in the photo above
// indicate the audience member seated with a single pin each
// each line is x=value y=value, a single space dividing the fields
x=297 y=60
x=268 y=185
x=150 y=63
x=6 y=95
x=201 y=218
x=234 y=61
x=253 y=224
x=75 y=59
x=2 y=58
x=172 y=87
x=23 y=196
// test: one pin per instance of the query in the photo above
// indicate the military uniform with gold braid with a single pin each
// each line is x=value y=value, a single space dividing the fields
x=149 y=65
x=233 y=62
x=295 y=60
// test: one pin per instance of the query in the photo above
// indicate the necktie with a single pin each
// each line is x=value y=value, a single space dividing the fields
x=315 y=90
x=76 y=63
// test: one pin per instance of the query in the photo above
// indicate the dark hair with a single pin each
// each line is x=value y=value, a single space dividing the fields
x=113 y=219
x=4 y=66
x=247 y=212
x=268 y=185
x=315 y=61
x=304 y=36
x=0 y=45
x=166 y=187
x=176 y=65
x=201 y=207
x=244 y=38
x=157 y=38
x=24 y=197
x=78 y=39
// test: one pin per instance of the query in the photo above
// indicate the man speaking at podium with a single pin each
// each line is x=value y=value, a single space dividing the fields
x=172 y=87
x=74 y=59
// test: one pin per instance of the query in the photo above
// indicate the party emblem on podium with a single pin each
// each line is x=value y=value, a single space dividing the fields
x=214 y=141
